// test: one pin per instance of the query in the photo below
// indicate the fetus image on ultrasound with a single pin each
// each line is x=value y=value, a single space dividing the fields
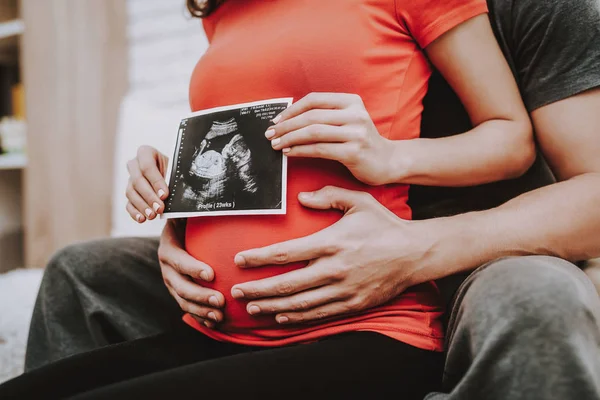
x=223 y=164
x=221 y=167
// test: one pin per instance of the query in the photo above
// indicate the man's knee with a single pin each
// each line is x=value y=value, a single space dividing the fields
x=533 y=291
x=82 y=262
x=98 y=263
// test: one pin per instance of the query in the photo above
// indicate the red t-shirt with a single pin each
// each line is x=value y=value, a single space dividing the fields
x=289 y=48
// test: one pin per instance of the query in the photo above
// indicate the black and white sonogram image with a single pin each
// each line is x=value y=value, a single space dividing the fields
x=224 y=165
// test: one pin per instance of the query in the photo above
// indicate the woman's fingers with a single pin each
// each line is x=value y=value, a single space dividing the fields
x=135 y=213
x=317 y=133
x=311 y=117
x=143 y=187
x=138 y=202
x=318 y=101
x=153 y=166
x=346 y=153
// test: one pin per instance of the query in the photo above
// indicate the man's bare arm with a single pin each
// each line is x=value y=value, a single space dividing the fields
x=560 y=220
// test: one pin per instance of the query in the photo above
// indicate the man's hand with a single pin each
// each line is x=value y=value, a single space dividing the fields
x=364 y=260
x=334 y=126
x=178 y=268
x=147 y=188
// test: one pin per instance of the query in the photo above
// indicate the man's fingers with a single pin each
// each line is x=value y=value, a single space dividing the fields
x=181 y=261
x=317 y=133
x=334 y=197
x=283 y=285
x=318 y=100
x=299 y=302
x=196 y=310
x=317 y=314
x=191 y=291
x=135 y=213
x=152 y=164
x=205 y=322
x=301 y=249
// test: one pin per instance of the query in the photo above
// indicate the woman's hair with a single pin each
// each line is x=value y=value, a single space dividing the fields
x=202 y=8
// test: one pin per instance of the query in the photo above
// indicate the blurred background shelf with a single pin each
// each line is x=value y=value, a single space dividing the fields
x=13 y=161
x=11 y=28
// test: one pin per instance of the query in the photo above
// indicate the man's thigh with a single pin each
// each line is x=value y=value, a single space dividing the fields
x=99 y=293
x=523 y=311
x=532 y=284
x=592 y=269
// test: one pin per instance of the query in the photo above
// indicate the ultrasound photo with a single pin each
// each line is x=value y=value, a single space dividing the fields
x=224 y=165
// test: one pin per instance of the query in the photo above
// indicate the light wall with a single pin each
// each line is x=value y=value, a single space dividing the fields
x=74 y=70
x=164 y=46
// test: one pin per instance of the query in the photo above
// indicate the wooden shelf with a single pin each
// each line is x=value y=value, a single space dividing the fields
x=13 y=161
x=11 y=28
x=10 y=34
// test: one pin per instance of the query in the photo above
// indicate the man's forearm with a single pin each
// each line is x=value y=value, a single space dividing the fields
x=561 y=220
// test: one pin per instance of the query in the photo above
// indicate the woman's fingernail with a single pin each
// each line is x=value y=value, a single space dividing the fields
x=139 y=218
x=213 y=316
x=270 y=133
x=239 y=260
x=148 y=212
x=283 y=319
x=277 y=119
x=237 y=294
x=156 y=207
x=204 y=276
x=252 y=310
x=213 y=301
x=208 y=324
x=286 y=150
x=161 y=193
x=275 y=142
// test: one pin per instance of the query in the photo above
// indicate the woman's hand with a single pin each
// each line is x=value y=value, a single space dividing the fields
x=334 y=126
x=364 y=260
x=178 y=268
x=147 y=188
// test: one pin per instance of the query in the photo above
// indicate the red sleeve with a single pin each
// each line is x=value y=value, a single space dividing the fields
x=426 y=20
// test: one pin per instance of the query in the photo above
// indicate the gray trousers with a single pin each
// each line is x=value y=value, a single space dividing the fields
x=519 y=328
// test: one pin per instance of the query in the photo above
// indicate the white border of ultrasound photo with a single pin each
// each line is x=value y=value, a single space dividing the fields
x=173 y=162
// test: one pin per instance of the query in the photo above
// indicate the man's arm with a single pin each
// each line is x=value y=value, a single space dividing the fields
x=561 y=220
x=554 y=49
x=370 y=256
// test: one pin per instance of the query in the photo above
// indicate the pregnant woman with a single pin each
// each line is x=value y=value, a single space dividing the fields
x=358 y=70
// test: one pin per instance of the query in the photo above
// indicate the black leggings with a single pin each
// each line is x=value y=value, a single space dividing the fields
x=354 y=365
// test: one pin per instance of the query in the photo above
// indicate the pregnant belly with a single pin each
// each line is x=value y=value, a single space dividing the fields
x=216 y=240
